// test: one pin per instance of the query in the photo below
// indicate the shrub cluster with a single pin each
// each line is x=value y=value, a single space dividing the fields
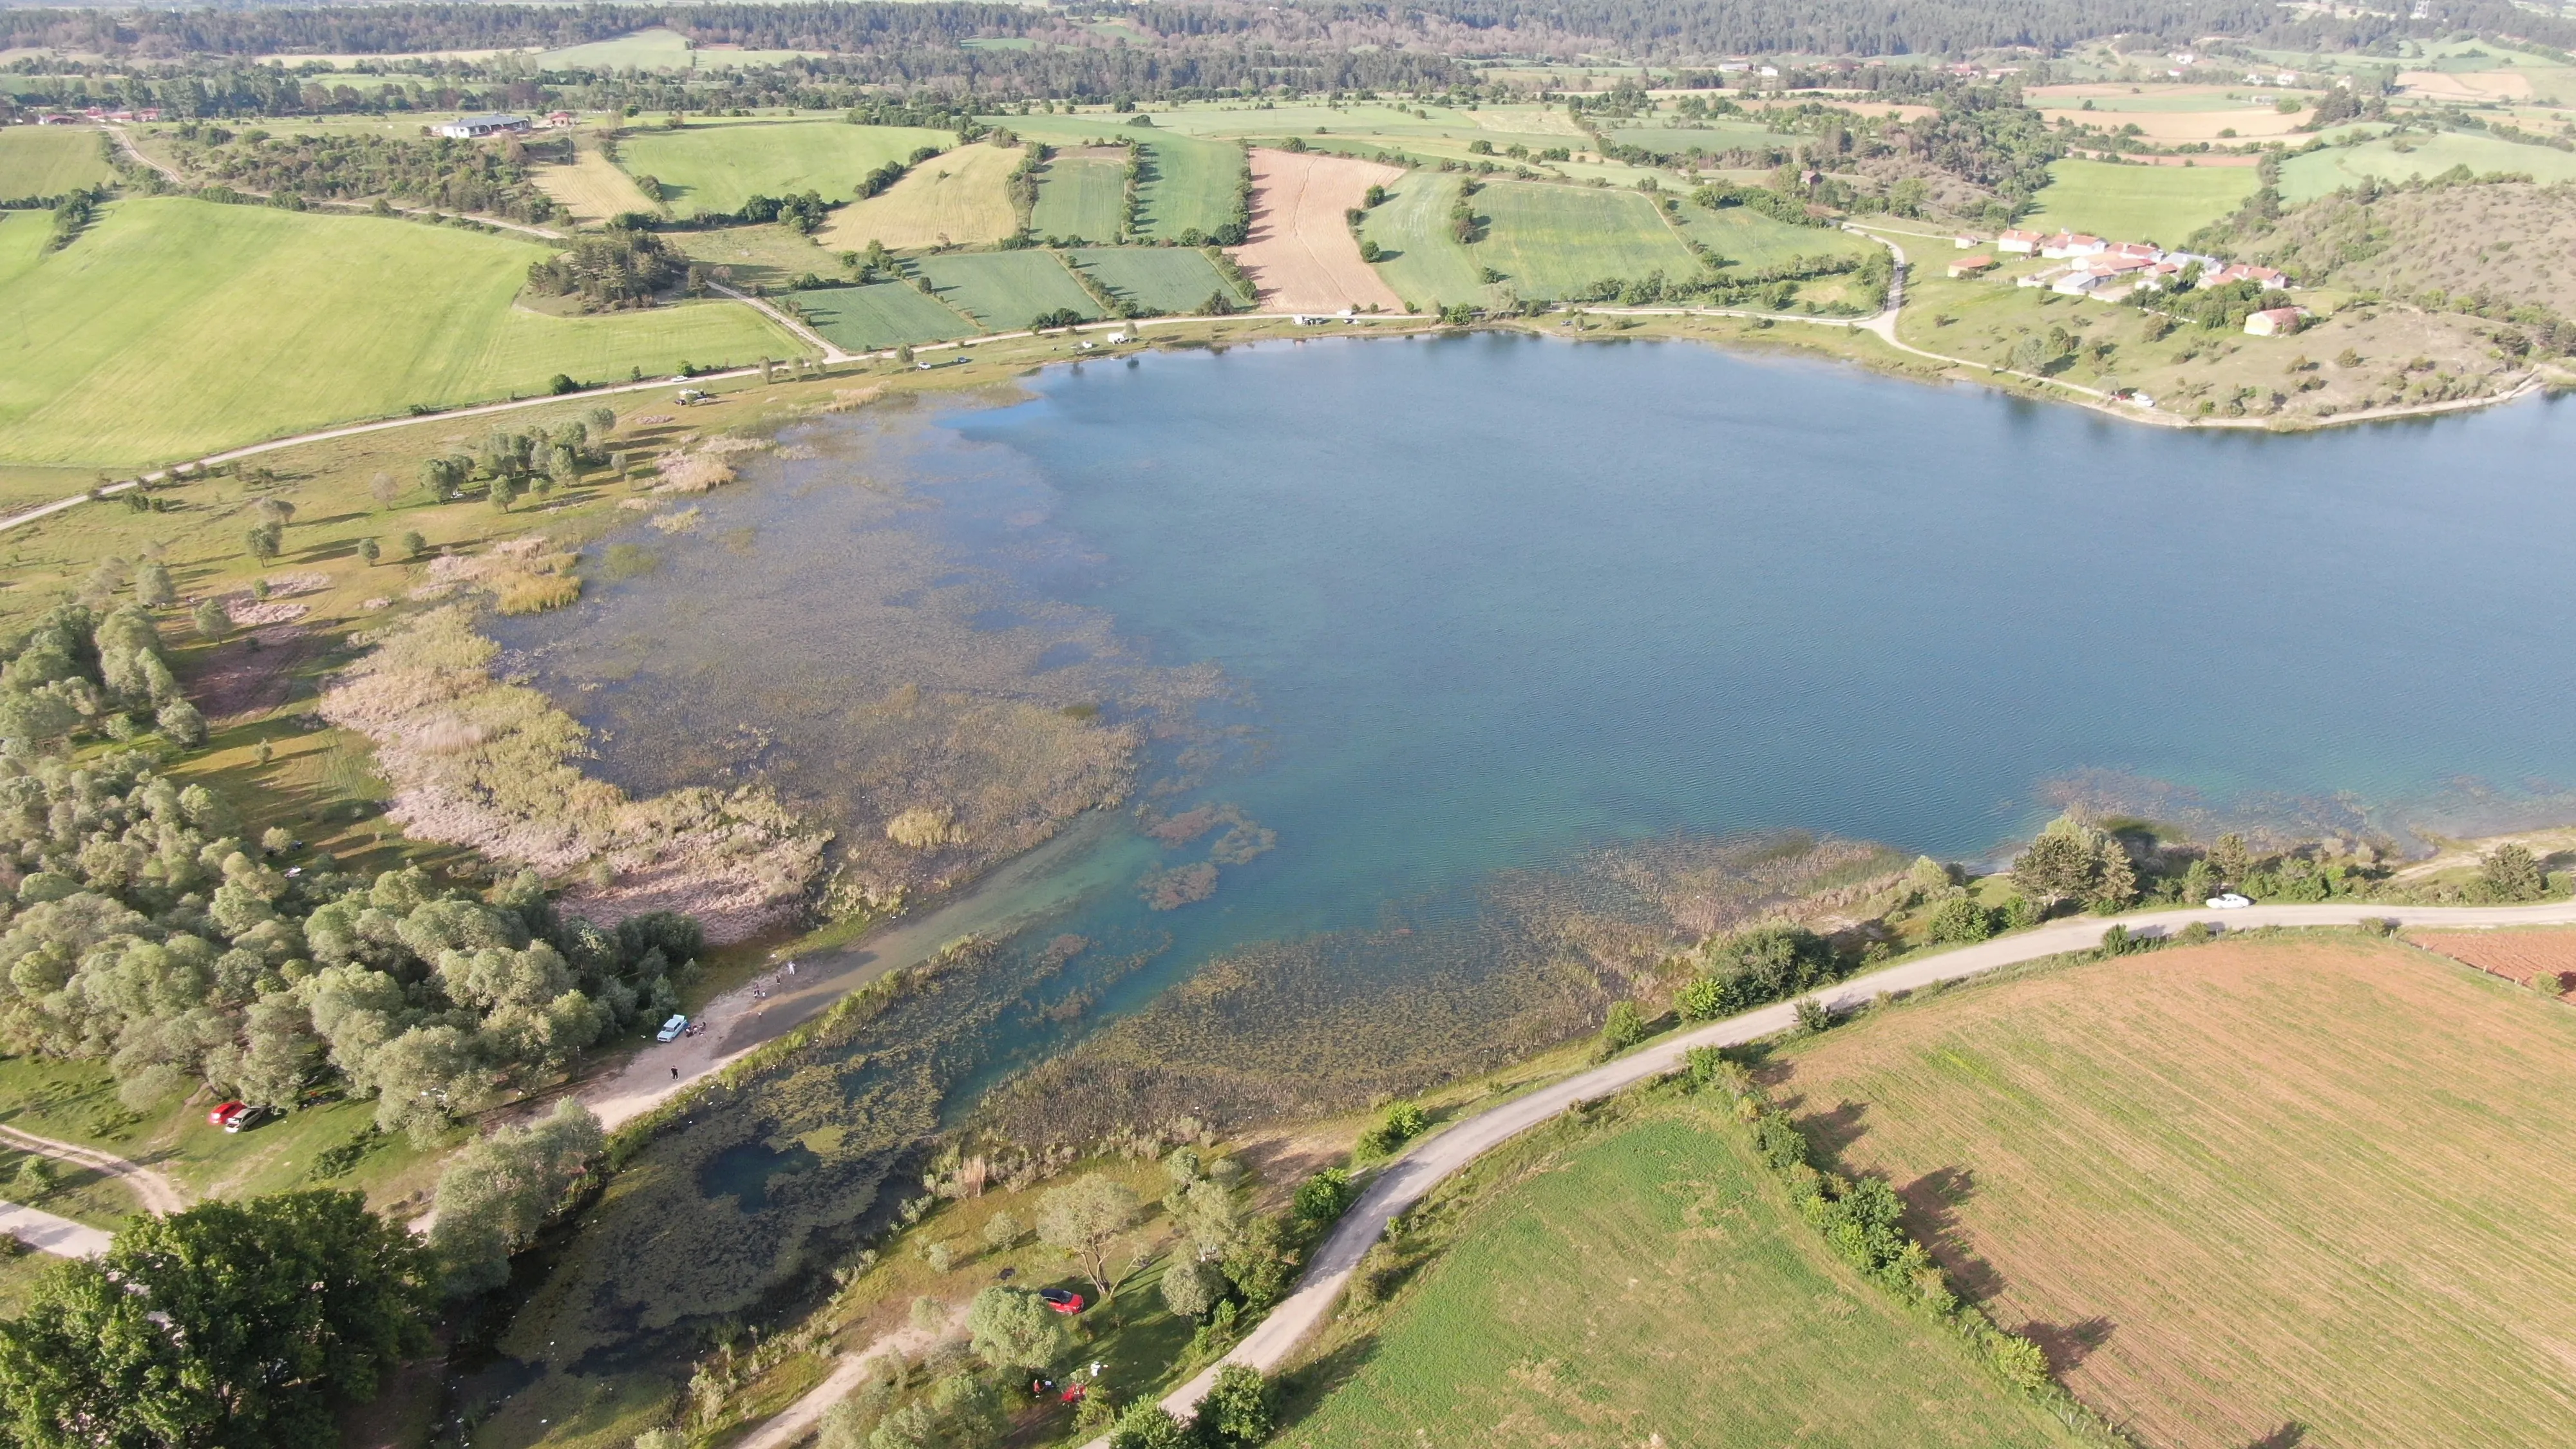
x=1754 y=967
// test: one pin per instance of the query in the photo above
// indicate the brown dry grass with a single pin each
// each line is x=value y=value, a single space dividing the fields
x=2514 y=955
x=1301 y=256
x=2250 y=123
x=2309 y=1181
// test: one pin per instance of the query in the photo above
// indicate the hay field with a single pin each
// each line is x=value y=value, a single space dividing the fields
x=709 y=168
x=881 y=315
x=2304 y=178
x=2320 y=1182
x=1160 y=279
x=1553 y=241
x=2524 y=956
x=1419 y=257
x=592 y=188
x=960 y=198
x=1082 y=195
x=1301 y=255
x=1751 y=242
x=2139 y=203
x=1004 y=290
x=1649 y=1284
x=176 y=327
x=1716 y=137
x=50 y=160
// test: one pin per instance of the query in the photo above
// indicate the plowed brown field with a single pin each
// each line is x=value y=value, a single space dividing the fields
x=1301 y=255
x=2307 y=1191
x=2514 y=955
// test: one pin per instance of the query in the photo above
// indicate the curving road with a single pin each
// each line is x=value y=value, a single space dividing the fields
x=1406 y=1181
x=50 y=1233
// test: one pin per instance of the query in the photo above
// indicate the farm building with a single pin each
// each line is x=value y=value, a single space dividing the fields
x=2022 y=242
x=470 y=128
x=2072 y=244
x=2277 y=322
x=1972 y=266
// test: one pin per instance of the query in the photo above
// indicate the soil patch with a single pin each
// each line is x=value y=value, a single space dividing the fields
x=2521 y=956
x=1301 y=256
x=251 y=675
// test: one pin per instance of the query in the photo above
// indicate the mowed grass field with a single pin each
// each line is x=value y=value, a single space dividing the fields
x=50 y=160
x=1161 y=279
x=711 y=168
x=1751 y=242
x=1648 y=1283
x=1418 y=256
x=2163 y=204
x=1004 y=290
x=2321 y=1182
x=176 y=327
x=956 y=199
x=881 y=315
x=2304 y=178
x=1082 y=195
x=1553 y=241
x=1189 y=185
x=592 y=188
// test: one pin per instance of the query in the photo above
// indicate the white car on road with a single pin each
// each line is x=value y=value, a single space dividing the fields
x=2228 y=902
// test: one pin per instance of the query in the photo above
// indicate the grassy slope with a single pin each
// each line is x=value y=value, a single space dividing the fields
x=1003 y=290
x=960 y=198
x=2139 y=203
x=1429 y=267
x=715 y=168
x=2250 y=1185
x=1166 y=279
x=1082 y=196
x=1650 y=1284
x=1752 y=242
x=174 y=327
x=880 y=315
x=49 y=160
x=1549 y=241
x=2305 y=177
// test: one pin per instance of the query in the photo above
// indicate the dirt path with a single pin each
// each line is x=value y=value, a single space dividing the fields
x=47 y=1233
x=1301 y=255
x=831 y=350
x=1405 y=1181
x=158 y=1194
x=798 y=1419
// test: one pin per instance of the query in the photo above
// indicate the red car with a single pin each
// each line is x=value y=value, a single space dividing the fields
x=232 y=1116
x=1060 y=1300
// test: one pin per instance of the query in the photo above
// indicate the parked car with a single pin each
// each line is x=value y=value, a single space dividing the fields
x=671 y=1029
x=1060 y=1300
x=227 y=1114
x=2231 y=901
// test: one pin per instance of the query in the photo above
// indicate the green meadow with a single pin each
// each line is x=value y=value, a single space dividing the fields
x=173 y=328
x=1553 y=241
x=1004 y=290
x=1418 y=256
x=2164 y=204
x=1189 y=186
x=50 y=160
x=2304 y=178
x=711 y=168
x=880 y=315
x=1751 y=242
x=1082 y=197
x=1158 y=279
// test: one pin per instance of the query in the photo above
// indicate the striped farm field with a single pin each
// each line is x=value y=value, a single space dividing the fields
x=1004 y=290
x=2309 y=1190
x=1082 y=196
x=1158 y=279
x=1418 y=253
x=1555 y=241
x=2540 y=959
x=717 y=168
x=1190 y=185
x=880 y=315
x=174 y=327
x=1643 y=1283
x=50 y=160
x=1751 y=242
x=958 y=198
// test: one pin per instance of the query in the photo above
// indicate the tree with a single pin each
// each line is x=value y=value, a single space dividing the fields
x=36 y=717
x=2059 y=864
x=1961 y=919
x=1082 y=1217
x=1148 y=1425
x=1325 y=1196
x=1001 y=1230
x=1190 y=1288
x=369 y=551
x=1623 y=1028
x=211 y=620
x=152 y=585
x=2510 y=873
x=1238 y=1410
x=382 y=488
x=182 y=723
x=497 y=1193
x=264 y=541
x=2231 y=859
x=1013 y=1329
x=33 y=1182
x=2117 y=884
x=229 y=1326
x=504 y=493
x=413 y=545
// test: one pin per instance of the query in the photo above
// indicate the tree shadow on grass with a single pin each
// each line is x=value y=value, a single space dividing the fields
x=1303 y=1392
x=2069 y=1344
x=2289 y=1436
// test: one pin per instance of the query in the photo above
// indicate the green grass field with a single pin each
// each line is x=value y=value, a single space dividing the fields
x=1648 y=1283
x=50 y=160
x=1718 y=137
x=708 y=168
x=1418 y=257
x=1160 y=279
x=1003 y=290
x=1189 y=186
x=177 y=327
x=1082 y=197
x=1751 y=242
x=2305 y=1181
x=1553 y=241
x=880 y=315
x=961 y=198
x=2164 y=204
x=2304 y=178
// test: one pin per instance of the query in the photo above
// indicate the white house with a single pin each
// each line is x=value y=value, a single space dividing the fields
x=474 y=128
x=2072 y=244
x=2023 y=242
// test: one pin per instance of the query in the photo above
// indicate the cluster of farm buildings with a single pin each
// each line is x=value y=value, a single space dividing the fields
x=2095 y=267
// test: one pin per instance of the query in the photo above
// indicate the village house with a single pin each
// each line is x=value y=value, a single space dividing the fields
x=2022 y=242
x=2276 y=322
x=2072 y=244
x=474 y=128
x=1972 y=266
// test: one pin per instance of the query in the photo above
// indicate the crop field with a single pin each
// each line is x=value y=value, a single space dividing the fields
x=175 y=327
x=2139 y=203
x=2306 y=177
x=708 y=168
x=960 y=198
x=880 y=315
x=592 y=188
x=2522 y=956
x=1159 y=279
x=1189 y=185
x=1418 y=256
x=2305 y=1189
x=1301 y=256
x=1751 y=242
x=49 y=160
x=1552 y=241
x=1714 y=138
x=1003 y=290
x=1082 y=196
x=1649 y=1284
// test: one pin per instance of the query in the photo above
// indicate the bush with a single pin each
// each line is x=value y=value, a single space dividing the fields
x=2511 y=873
x=1237 y=1409
x=1961 y=919
x=1624 y=1028
x=1149 y=1426
x=1324 y=1197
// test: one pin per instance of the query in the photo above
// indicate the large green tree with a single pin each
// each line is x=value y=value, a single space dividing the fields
x=228 y=1326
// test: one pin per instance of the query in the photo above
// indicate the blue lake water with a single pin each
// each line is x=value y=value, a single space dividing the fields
x=1485 y=602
